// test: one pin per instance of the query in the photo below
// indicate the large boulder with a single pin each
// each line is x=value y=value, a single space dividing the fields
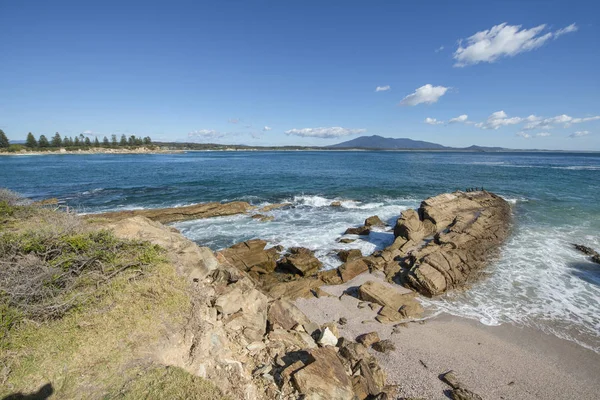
x=374 y=221
x=244 y=310
x=324 y=378
x=285 y=314
x=467 y=229
x=353 y=268
x=300 y=261
x=361 y=230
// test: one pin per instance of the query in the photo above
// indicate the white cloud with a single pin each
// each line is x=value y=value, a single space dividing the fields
x=433 y=121
x=383 y=88
x=333 y=132
x=564 y=119
x=498 y=119
x=439 y=49
x=267 y=128
x=461 y=118
x=585 y=119
x=503 y=41
x=542 y=134
x=206 y=134
x=88 y=132
x=579 y=134
x=427 y=94
x=567 y=29
x=524 y=135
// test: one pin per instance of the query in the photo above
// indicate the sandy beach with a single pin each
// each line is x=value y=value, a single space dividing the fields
x=496 y=362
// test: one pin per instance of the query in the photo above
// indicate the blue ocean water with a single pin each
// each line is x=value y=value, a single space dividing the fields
x=538 y=280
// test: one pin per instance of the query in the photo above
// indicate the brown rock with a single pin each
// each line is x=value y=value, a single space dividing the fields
x=324 y=378
x=374 y=221
x=349 y=255
x=367 y=339
x=361 y=230
x=287 y=373
x=346 y=240
x=195 y=211
x=352 y=268
x=464 y=394
x=374 y=377
x=250 y=254
x=300 y=261
x=263 y=218
x=469 y=227
x=359 y=385
x=271 y=207
x=286 y=315
x=336 y=204
x=393 y=296
x=384 y=346
x=353 y=352
x=388 y=315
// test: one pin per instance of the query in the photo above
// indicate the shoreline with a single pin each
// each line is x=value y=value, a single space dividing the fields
x=505 y=361
x=92 y=151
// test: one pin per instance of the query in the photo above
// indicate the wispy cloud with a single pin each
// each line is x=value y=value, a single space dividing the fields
x=433 y=121
x=325 y=133
x=266 y=128
x=383 y=88
x=427 y=94
x=439 y=49
x=206 y=134
x=543 y=134
x=460 y=119
x=579 y=134
x=503 y=41
x=524 y=135
x=498 y=119
x=534 y=122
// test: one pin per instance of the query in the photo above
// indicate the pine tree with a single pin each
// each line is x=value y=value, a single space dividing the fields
x=56 y=140
x=147 y=140
x=43 y=142
x=105 y=142
x=96 y=142
x=113 y=140
x=123 y=140
x=76 y=141
x=87 y=141
x=31 y=142
x=4 y=143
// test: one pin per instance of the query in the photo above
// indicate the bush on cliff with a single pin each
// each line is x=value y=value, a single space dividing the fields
x=84 y=311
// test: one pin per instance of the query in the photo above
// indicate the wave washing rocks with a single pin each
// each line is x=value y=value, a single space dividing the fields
x=245 y=333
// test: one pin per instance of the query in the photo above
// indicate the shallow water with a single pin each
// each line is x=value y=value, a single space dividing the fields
x=538 y=280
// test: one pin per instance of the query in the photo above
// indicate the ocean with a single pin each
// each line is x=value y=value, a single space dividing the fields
x=538 y=280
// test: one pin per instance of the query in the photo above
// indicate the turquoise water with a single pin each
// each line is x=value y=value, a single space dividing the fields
x=537 y=281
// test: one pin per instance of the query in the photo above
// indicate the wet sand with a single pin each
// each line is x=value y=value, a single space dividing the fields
x=497 y=362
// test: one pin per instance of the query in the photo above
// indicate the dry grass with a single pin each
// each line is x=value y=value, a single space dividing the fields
x=102 y=348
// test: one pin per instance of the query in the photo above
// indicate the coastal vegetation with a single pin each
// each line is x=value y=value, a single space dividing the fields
x=69 y=143
x=80 y=309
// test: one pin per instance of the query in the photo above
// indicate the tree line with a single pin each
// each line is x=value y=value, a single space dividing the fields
x=78 y=141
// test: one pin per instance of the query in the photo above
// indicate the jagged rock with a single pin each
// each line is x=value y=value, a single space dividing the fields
x=287 y=373
x=300 y=261
x=393 y=296
x=351 y=269
x=367 y=339
x=346 y=240
x=464 y=394
x=336 y=204
x=374 y=376
x=388 y=315
x=263 y=218
x=353 y=352
x=244 y=310
x=271 y=207
x=361 y=231
x=451 y=379
x=333 y=328
x=343 y=321
x=359 y=385
x=467 y=227
x=324 y=378
x=374 y=221
x=250 y=254
x=349 y=255
x=384 y=346
x=191 y=261
x=327 y=338
x=292 y=339
x=195 y=211
x=595 y=256
x=286 y=315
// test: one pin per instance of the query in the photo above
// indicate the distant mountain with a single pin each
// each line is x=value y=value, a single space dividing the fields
x=379 y=142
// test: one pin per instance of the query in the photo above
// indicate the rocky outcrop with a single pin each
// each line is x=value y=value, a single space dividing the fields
x=398 y=302
x=252 y=256
x=174 y=214
x=450 y=237
x=324 y=378
x=300 y=261
x=374 y=221
x=349 y=255
x=191 y=261
x=272 y=207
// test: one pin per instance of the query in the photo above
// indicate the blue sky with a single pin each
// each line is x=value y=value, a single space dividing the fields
x=280 y=72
